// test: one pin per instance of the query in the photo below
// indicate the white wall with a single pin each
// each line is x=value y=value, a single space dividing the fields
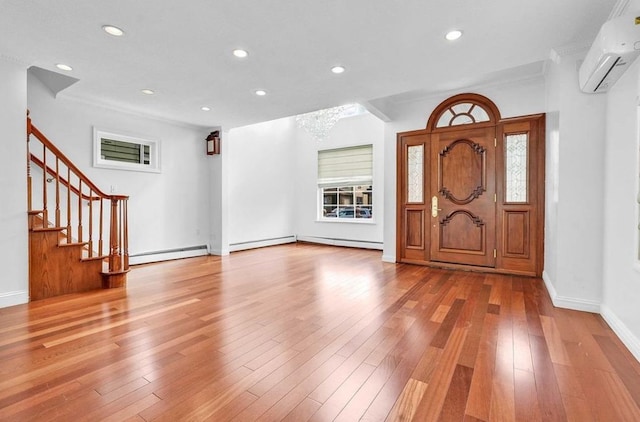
x=14 y=284
x=514 y=98
x=358 y=130
x=552 y=170
x=273 y=188
x=168 y=210
x=219 y=199
x=575 y=190
x=261 y=183
x=621 y=210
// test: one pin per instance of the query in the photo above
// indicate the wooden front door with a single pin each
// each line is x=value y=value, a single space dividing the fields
x=470 y=189
x=462 y=195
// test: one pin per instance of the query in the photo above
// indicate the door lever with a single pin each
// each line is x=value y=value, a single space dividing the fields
x=434 y=207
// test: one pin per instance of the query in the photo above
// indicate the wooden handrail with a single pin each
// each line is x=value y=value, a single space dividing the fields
x=64 y=181
x=51 y=147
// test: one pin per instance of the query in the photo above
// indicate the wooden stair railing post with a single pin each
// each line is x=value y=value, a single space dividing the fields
x=69 y=205
x=100 y=230
x=114 y=255
x=125 y=225
x=90 y=225
x=45 y=212
x=80 y=238
x=29 y=199
x=57 y=192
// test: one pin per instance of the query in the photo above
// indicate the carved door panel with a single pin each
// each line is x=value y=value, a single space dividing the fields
x=462 y=209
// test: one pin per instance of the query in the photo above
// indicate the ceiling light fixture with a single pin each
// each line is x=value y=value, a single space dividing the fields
x=240 y=53
x=205 y=108
x=147 y=91
x=338 y=69
x=319 y=123
x=453 y=35
x=261 y=92
x=63 y=66
x=113 y=30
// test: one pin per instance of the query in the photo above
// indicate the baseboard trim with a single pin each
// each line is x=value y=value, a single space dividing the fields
x=253 y=244
x=14 y=298
x=168 y=254
x=342 y=242
x=622 y=331
x=389 y=258
x=569 y=302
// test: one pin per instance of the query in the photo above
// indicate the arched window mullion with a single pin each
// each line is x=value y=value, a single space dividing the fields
x=463 y=109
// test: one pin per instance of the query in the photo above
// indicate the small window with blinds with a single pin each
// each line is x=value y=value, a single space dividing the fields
x=122 y=152
x=345 y=181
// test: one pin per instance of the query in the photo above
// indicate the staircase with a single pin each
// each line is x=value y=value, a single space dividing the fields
x=69 y=218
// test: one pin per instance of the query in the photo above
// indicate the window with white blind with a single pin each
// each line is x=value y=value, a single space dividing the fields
x=345 y=183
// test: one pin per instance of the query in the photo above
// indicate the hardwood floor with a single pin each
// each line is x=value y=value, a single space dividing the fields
x=306 y=332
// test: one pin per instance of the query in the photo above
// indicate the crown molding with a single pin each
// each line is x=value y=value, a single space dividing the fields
x=124 y=110
x=619 y=8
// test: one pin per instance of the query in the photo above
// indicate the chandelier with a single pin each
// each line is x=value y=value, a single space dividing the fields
x=319 y=123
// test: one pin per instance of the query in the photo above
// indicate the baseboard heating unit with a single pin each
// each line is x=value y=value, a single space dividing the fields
x=168 y=254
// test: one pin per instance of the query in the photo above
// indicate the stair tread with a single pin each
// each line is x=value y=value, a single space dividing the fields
x=115 y=272
x=95 y=258
x=47 y=229
x=65 y=244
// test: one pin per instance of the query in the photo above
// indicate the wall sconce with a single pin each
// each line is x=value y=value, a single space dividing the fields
x=213 y=143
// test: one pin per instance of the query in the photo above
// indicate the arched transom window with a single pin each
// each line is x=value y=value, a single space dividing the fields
x=463 y=114
x=463 y=109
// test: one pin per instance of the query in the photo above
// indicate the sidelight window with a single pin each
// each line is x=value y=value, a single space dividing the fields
x=415 y=173
x=516 y=171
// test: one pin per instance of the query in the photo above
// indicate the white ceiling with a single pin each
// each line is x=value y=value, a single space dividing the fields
x=182 y=49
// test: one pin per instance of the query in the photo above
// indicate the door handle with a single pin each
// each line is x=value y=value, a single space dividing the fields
x=434 y=207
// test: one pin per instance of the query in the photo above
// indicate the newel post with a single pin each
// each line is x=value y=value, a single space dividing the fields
x=114 y=252
x=118 y=244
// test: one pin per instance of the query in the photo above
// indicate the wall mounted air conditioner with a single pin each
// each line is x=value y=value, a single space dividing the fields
x=614 y=49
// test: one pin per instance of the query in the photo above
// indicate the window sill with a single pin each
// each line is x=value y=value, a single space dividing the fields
x=347 y=220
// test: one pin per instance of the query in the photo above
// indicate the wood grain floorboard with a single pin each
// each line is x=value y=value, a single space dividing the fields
x=309 y=332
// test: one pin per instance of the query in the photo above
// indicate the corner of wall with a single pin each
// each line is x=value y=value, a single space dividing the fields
x=569 y=302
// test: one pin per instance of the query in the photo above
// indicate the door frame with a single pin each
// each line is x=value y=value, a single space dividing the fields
x=509 y=260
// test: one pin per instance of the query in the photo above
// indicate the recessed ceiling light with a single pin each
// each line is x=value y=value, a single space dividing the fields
x=261 y=92
x=147 y=91
x=113 y=30
x=205 y=108
x=240 y=53
x=338 y=69
x=63 y=66
x=453 y=35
